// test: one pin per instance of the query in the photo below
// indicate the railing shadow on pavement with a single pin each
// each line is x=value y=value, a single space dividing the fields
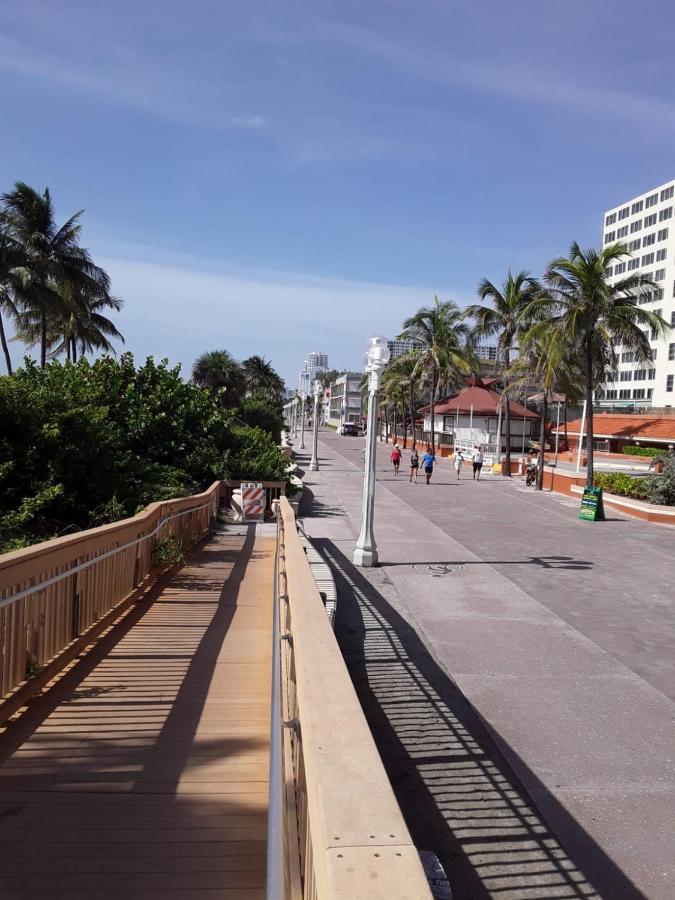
x=459 y=796
x=544 y=562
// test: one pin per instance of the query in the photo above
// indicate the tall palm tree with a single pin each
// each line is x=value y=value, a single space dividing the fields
x=504 y=319
x=444 y=354
x=581 y=308
x=218 y=371
x=7 y=286
x=50 y=257
x=403 y=372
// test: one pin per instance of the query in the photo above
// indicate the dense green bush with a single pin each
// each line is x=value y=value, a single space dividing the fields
x=661 y=488
x=622 y=484
x=89 y=443
x=642 y=451
x=260 y=412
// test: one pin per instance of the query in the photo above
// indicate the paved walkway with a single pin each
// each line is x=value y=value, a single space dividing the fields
x=558 y=632
x=143 y=774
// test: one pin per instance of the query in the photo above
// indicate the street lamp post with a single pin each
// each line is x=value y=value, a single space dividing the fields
x=377 y=357
x=314 y=464
x=302 y=420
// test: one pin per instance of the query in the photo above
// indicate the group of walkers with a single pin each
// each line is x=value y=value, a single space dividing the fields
x=429 y=458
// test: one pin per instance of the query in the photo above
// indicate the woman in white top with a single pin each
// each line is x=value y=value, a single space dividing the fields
x=459 y=459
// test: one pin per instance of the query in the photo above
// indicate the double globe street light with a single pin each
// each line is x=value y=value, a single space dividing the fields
x=376 y=358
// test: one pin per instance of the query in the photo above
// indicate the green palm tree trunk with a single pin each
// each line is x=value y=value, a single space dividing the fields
x=5 y=348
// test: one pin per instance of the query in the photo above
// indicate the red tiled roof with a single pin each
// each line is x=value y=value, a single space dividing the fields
x=485 y=402
x=634 y=427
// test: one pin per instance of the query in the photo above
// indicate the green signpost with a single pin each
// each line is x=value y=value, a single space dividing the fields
x=592 y=509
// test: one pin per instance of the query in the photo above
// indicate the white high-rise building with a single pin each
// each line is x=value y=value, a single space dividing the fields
x=647 y=225
x=316 y=362
x=399 y=346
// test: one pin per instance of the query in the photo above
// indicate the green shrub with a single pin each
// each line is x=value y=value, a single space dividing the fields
x=621 y=484
x=642 y=451
x=168 y=552
x=660 y=489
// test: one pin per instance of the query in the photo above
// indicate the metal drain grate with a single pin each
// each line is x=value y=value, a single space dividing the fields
x=438 y=570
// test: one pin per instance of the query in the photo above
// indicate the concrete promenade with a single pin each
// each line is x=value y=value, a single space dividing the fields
x=560 y=635
x=143 y=774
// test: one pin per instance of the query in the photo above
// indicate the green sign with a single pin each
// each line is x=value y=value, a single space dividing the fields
x=591 y=505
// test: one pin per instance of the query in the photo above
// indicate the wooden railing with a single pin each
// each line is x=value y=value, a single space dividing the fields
x=344 y=837
x=53 y=593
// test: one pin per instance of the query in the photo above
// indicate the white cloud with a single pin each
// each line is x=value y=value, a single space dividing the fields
x=182 y=310
x=256 y=121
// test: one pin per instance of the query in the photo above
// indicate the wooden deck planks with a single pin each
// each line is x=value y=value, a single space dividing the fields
x=149 y=778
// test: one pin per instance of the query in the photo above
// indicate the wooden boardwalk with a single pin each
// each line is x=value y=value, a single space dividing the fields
x=143 y=773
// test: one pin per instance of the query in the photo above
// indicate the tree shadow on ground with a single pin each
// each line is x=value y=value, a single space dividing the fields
x=459 y=796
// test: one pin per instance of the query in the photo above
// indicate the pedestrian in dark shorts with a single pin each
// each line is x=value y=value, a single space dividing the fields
x=428 y=461
x=414 y=465
x=477 y=460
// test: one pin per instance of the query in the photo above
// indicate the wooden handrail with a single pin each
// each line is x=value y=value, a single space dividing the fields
x=353 y=841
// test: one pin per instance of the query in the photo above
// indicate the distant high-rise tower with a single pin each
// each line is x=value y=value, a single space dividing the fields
x=316 y=362
x=399 y=346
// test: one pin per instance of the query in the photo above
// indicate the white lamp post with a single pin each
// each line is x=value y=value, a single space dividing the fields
x=295 y=417
x=314 y=464
x=302 y=420
x=377 y=357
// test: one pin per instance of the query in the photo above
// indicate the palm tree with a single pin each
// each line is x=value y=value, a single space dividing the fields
x=444 y=354
x=504 y=319
x=218 y=371
x=51 y=260
x=261 y=378
x=7 y=285
x=403 y=373
x=581 y=309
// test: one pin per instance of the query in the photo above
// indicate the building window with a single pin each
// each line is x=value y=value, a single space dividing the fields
x=665 y=213
x=662 y=235
x=672 y=320
x=611 y=219
x=634 y=245
x=640 y=375
x=626 y=376
x=650 y=393
x=624 y=213
x=609 y=271
x=671 y=352
x=669 y=384
x=661 y=254
x=633 y=264
x=609 y=237
x=636 y=226
x=660 y=275
x=619 y=268
x=647 y=259
x=651 y=374
x=648 y=240
x=636 y=207
x=624 y=394
x=627 y=356
x=638 y=393
x=650 y=220
x=622 y=232
x=667 y=193
x=610 y=395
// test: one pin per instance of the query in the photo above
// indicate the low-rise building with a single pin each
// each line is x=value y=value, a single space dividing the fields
x=345 y=399
x=612 y=432
x=471 y=416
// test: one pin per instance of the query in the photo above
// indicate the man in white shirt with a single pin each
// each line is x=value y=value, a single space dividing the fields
x=477 y=460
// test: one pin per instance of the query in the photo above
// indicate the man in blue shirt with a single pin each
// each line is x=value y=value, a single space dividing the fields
x=428 y=461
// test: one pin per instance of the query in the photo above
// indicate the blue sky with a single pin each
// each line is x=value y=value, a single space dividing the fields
x=282 y=177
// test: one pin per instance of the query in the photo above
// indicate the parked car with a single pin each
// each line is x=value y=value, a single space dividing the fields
x=349 y=428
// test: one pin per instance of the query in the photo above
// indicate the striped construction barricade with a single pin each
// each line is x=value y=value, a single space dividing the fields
x=252 y=501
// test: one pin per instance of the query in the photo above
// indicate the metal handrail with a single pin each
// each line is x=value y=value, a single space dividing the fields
x=33 y=589
x=275 y=814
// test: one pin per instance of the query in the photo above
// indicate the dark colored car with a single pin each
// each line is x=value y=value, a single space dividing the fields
x=350 y=428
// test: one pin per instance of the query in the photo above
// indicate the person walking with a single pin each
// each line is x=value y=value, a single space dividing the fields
x=428 y=461
x=414 y=464
x=396 y=458
x=459 y=459
x=477 y=459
